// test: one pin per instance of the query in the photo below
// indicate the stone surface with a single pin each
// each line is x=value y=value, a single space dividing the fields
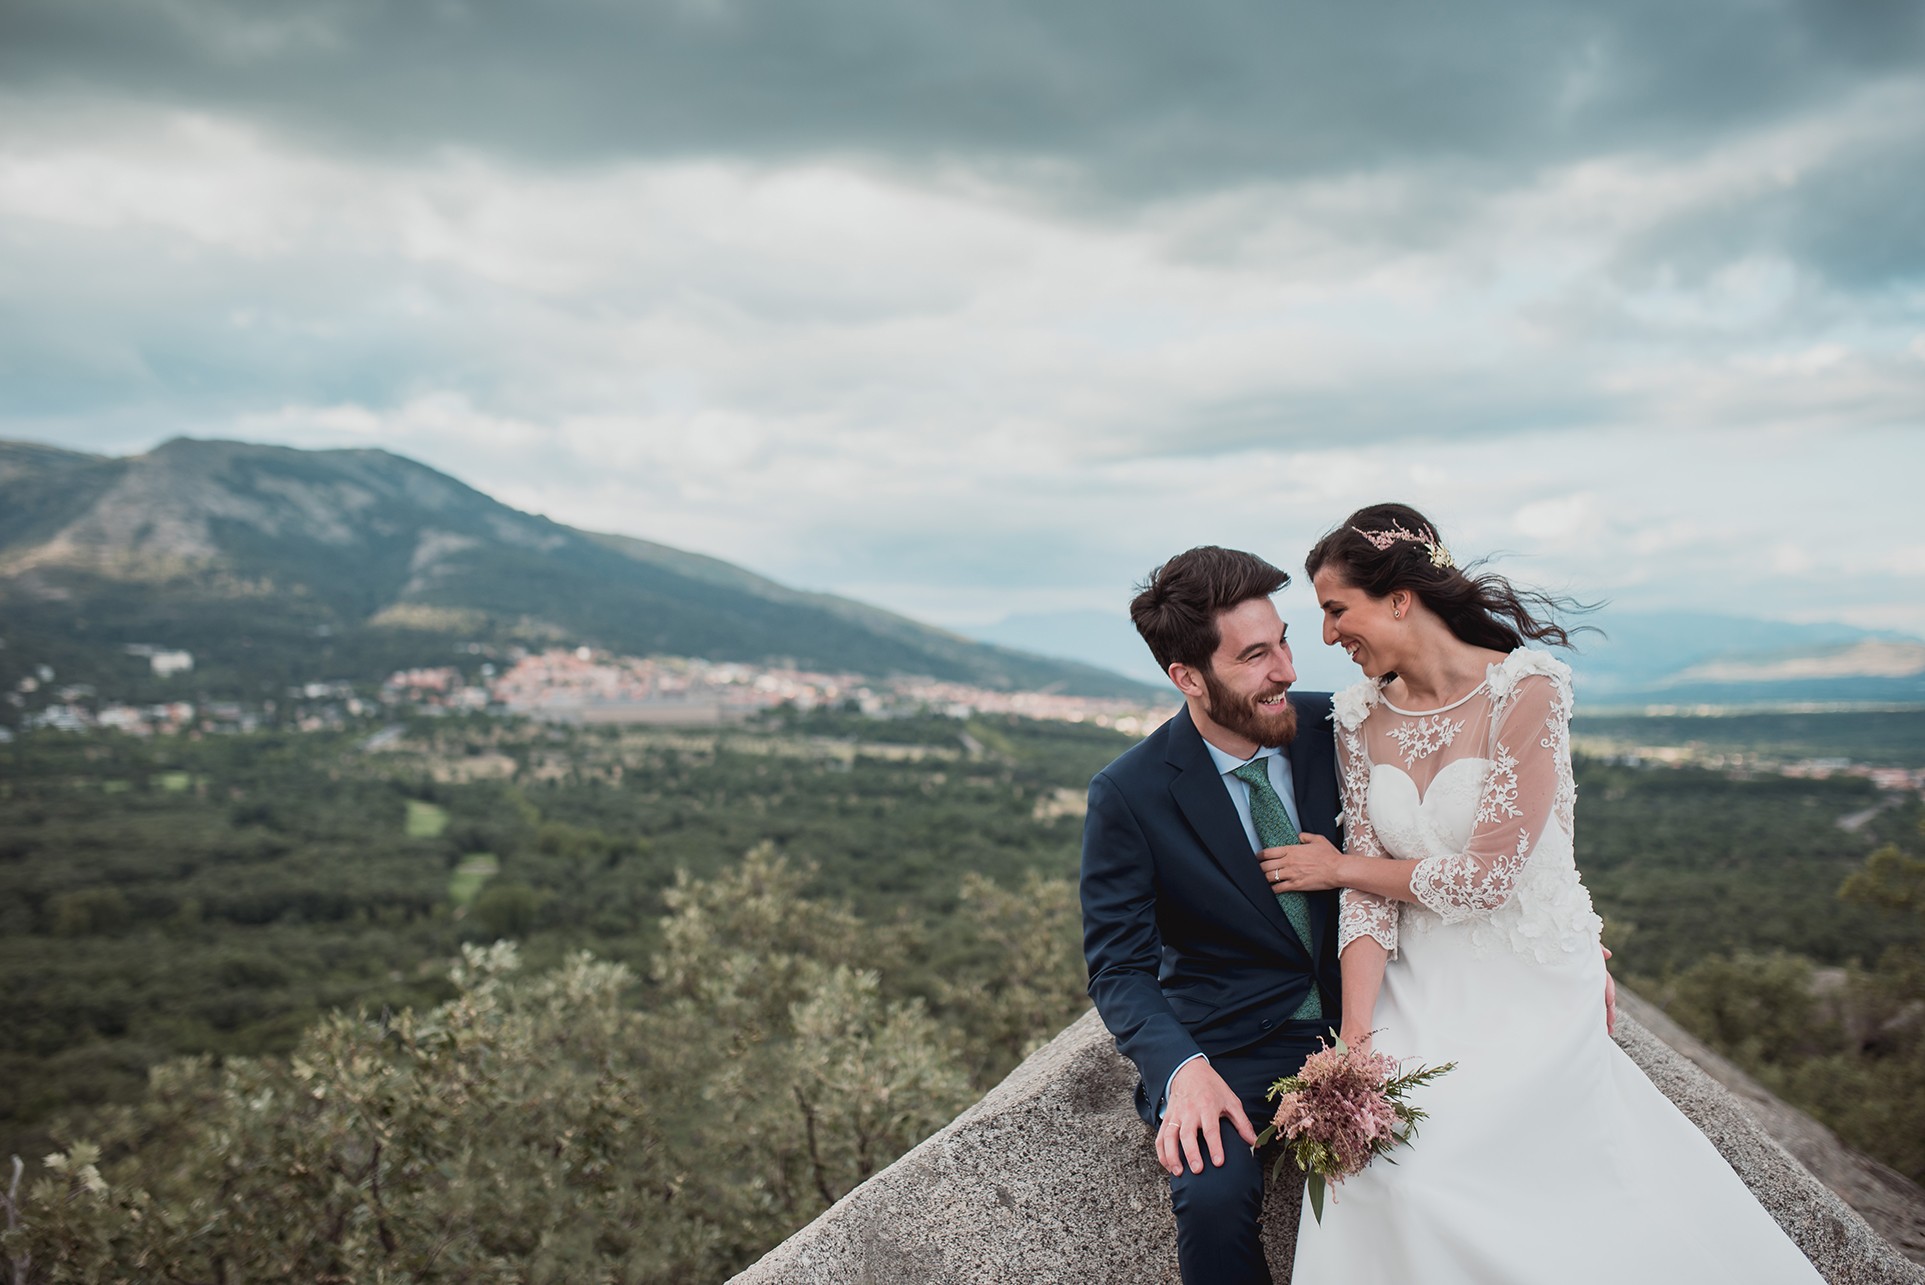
x=1050 y=1179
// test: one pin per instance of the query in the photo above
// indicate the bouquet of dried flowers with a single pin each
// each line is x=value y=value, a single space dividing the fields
x=1343 y=1109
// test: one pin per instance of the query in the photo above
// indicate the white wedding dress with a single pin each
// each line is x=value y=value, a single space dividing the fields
x=1548 y=1156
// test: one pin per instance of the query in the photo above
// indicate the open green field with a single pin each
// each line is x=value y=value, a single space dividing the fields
x=424 y=820
x=475 y=870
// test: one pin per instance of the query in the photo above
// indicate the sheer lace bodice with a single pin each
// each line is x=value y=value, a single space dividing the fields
x=1479 y=794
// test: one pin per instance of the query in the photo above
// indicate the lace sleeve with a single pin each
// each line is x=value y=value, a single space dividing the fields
x=1360 y=914
x=1530 y=786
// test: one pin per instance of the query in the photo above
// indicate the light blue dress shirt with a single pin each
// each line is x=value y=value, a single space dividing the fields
x=1285 y=785
x=1281 y=780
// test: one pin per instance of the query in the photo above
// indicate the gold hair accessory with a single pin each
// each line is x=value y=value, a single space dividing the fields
x=1439 y=555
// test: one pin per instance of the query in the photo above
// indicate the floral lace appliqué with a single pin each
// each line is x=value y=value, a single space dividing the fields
x=1557 y=739
x=1502 y=686
x=1458 y=886
x=1499 y=800
x=1359 y=914
x=1425 y=736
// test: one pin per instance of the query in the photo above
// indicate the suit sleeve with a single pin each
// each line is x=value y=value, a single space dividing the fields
x=1120 y=941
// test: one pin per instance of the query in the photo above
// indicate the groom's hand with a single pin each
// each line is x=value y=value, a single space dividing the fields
x=1309 y=866
x=1199 y=1102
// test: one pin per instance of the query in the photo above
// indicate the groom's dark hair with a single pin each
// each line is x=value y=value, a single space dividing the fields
x=1176 y=608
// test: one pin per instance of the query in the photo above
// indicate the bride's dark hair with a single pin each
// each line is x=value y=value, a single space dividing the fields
x=1385 y=547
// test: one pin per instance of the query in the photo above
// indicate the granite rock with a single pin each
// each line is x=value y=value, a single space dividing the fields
x=1049 y=1178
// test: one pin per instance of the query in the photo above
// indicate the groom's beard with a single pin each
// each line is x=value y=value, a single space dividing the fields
x=1244 y=716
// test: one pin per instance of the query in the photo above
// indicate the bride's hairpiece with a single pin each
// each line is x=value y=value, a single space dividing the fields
x=1381 y=540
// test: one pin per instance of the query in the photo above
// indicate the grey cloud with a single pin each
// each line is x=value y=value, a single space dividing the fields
x=1867 y=230
x=1857 y=219
x=1130 y=96
x=1389 y=407
x=1099 y=107
x=1104 y=103
x=985 y=558
x=98 y=326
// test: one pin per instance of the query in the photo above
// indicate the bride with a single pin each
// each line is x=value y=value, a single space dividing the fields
x=1467 y=937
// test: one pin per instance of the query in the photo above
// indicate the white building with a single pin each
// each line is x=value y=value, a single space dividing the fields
x=166 y=663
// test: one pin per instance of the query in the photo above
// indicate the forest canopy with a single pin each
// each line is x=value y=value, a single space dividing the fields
x=263 y=1021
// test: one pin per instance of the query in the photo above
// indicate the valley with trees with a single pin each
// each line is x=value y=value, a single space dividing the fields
x=494 y=999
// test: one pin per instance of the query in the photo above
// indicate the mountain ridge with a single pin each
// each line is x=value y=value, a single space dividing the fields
x=359 y=559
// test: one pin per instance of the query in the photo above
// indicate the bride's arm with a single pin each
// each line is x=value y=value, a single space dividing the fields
x=1370 y=877
x=1528 y=788
x=1360 y=914
x=1363 y=975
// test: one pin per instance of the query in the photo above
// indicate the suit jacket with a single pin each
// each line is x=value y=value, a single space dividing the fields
x=1188 y=950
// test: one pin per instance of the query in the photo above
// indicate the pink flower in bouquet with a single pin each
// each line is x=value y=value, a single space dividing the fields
x=1341 y=1110
x=1342 y=1107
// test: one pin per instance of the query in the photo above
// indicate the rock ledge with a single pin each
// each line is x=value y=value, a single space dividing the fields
x=1049 y=1179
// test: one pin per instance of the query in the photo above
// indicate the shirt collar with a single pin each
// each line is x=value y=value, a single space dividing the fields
x=1228 y=763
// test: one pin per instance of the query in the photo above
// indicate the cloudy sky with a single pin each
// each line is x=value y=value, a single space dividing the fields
x=971 y=309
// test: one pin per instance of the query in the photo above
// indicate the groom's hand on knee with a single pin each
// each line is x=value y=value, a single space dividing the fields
x=1199 y=1102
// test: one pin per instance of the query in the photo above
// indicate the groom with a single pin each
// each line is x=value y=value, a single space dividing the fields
x=1212 y=984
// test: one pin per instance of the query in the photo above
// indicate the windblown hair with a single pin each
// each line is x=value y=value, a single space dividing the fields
x=1481 y=607
x=1176 y=608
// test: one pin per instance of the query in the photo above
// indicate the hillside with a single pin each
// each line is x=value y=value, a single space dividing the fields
x=276 y=565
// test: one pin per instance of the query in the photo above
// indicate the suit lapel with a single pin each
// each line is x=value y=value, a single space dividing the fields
x=1311 y=772
x=1200 y=795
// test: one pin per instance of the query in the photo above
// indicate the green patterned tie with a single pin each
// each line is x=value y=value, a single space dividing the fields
x=1274 y=830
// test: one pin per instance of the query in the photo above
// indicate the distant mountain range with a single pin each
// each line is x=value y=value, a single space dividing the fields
x=275 y=565
x=1642 y=658
x=1693 y=658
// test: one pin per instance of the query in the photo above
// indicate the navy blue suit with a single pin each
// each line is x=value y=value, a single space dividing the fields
x=1189 y=952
